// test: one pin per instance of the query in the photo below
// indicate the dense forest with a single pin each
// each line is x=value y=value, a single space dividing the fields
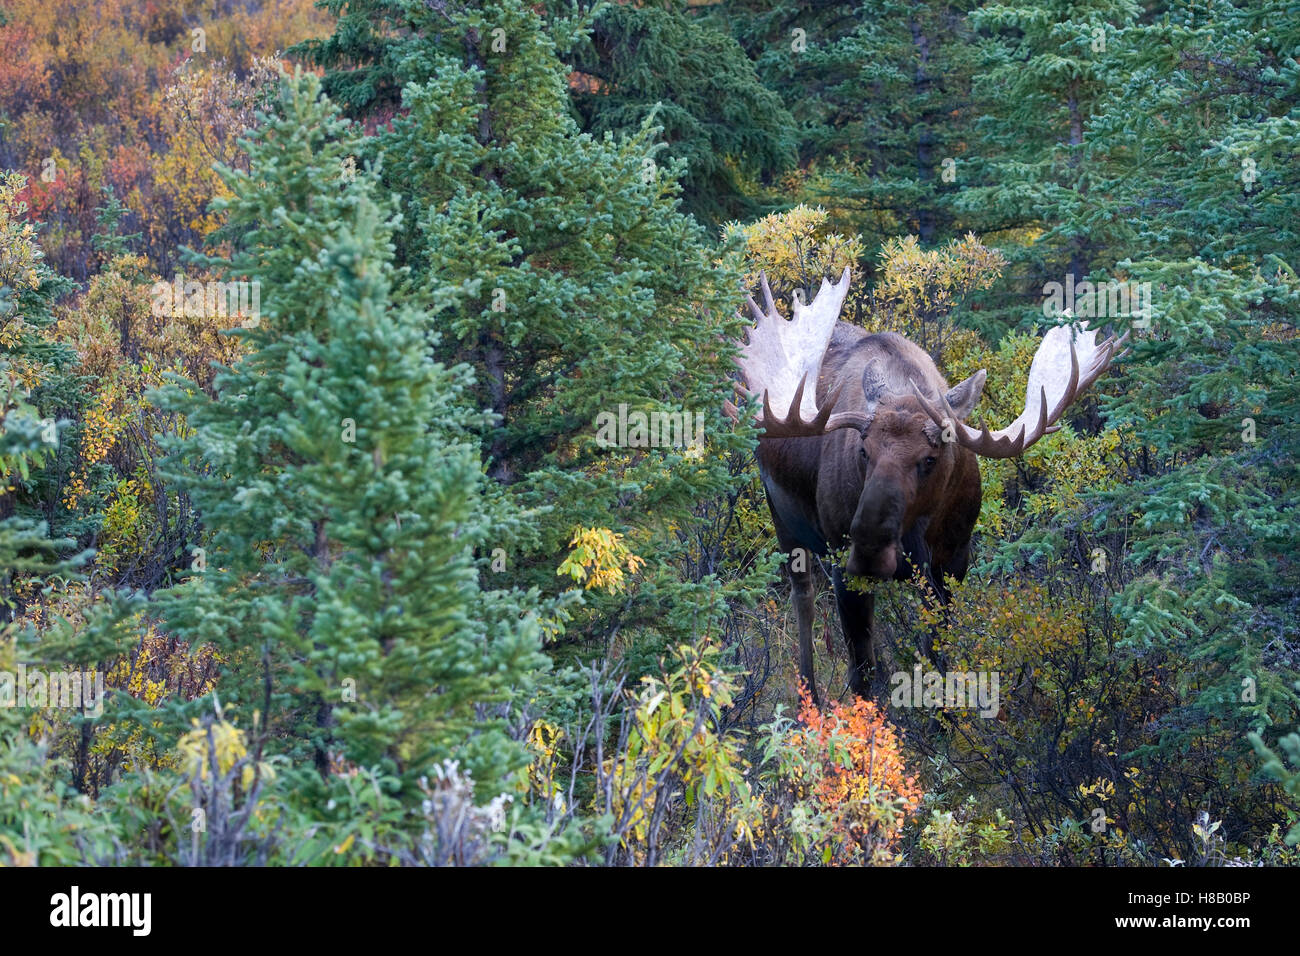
x=332 y=531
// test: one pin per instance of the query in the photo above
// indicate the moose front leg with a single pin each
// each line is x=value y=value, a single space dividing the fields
x=804 y=593
x=857 y=611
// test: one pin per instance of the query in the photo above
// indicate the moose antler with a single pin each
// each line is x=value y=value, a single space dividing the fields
x=781 y=358
x=1058 y=375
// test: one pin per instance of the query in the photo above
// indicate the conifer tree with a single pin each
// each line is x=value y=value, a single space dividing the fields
x=587 y=294
x=882 y=90
x=36 y=384
x=1155 y=169
x=339 y=489
x=1033 y=173
x=1212 y=396
x=715 y=115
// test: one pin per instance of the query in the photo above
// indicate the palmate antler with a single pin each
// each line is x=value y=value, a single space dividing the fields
x=1060 y=373
x=782 y=361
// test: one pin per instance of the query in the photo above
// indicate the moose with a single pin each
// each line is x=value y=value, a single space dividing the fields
x=877 y=455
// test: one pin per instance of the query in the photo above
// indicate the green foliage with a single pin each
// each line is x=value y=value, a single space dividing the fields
x=1287 y=776
x=340 y=491
x=568 y=309
x=659 y=63
x=35 y=377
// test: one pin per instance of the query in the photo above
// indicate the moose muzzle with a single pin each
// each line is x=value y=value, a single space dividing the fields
x=876 y=531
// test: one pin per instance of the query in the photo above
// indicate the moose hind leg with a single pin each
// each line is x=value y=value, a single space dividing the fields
x=857 y=611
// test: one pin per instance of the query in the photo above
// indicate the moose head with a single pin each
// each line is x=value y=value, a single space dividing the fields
x=864 y=444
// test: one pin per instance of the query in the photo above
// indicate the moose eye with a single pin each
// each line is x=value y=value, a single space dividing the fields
x=862 y=454
x=927 y=466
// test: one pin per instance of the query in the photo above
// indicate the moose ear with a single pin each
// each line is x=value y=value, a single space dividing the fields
x=962 y=398
x=873 y=385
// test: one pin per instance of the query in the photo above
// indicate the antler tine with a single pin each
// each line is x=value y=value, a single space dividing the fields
x=1047 y=423
x=1071 y=388
x=981 y=442
x=793 y=425
x=774 y=426
x=796 y=403
x=1041 y=428
x=1103 y=356
x=997 y=445
x=768 y=312
x=768 y=302
x=928 y=406
x=769 y=419
x=1120 y=341
x=1112 y=347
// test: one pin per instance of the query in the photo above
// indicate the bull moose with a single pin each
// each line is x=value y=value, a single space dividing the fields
x=877 y=455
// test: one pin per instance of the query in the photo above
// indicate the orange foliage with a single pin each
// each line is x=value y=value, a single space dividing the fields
x=861 y=783
x=140 y=97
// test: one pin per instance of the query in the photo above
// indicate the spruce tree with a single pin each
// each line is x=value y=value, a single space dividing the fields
x=702 y=91
x=339 y=488
x=882 y=92
x=1212 y=196
x=36 y=386
x=587 y=293
x=1032 y=177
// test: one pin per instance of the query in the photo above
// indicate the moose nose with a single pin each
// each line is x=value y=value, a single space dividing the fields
x=879 y=517
x=879 y=563
x=875 y=532
x=886 y=561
